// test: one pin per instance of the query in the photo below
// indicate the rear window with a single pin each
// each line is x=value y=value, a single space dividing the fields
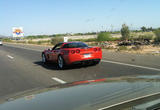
x=75 y=45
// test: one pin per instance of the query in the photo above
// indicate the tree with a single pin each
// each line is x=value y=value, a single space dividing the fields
x=104 y=36
x=150 y=29
x=144 y=29
x=157 y=33
x=125 y=32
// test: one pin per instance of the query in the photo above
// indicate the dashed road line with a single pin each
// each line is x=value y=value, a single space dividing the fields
x=10 y=57
x=126 y=64
x=59 y=80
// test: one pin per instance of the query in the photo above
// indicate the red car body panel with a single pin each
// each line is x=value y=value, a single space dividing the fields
x=72 y=55
x=71 y=58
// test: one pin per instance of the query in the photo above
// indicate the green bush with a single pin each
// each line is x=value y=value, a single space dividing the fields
x=88 y=33
x=145 y=37
x=43 y=42
x=31 y=42
x=104 y=36
x=56 y=40
x=37 y=36
x=46 y=41
x=157 y=33
x=115 y=39
x=6 y=40
x=39 y=42
x=125 y=32
x=90 y=40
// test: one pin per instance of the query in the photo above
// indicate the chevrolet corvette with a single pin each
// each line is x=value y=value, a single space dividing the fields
x=71 y=53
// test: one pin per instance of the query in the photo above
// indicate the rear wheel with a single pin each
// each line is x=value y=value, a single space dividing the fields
x=96 y=62
x=60 y=62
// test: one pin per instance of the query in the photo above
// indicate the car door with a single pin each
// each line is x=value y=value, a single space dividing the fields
x=55 y=52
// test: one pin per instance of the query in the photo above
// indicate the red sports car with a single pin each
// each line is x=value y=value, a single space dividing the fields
x=72 y=53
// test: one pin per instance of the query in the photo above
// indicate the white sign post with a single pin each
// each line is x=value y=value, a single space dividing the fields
x=17 y=32
x=65 y=39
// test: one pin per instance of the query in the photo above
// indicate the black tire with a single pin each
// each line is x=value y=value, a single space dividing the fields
x=96 y=62
x=44 y=59
x=60 y=62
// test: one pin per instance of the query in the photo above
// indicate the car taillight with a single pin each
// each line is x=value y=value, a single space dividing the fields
x=95 y=49
x=72 y=51
x=77 y=51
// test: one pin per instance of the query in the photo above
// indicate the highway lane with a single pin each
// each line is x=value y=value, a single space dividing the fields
x=17 y=75
x=25 y=71
x=136 y=59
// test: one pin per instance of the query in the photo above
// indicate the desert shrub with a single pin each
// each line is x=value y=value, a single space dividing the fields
x=125 y=32
x=56 y=40
x=31 y=42
x=39 y=42
x=6 y=40
x=104 y=36
x=43 y=42
x=157 y=33
x=145 y=37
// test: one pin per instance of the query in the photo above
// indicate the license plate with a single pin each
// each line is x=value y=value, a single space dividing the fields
x=87 y=55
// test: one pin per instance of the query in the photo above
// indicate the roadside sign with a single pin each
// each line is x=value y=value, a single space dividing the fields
x=17 y=32
x=65 y=39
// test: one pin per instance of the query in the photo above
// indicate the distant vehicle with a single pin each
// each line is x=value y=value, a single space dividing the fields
x=72 y=53
x=1 y=43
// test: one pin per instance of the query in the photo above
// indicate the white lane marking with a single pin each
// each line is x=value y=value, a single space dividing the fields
x=134 y=99
x=10 y=57
x=126 y=64
x=58 y=80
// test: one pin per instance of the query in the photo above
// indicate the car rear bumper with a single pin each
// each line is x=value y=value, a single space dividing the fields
x=85 y=61
x=79 y=58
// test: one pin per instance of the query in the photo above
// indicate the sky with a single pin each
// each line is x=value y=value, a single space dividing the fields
x=38 y=17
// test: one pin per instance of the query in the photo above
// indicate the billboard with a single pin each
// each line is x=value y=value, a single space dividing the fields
x=17 y=32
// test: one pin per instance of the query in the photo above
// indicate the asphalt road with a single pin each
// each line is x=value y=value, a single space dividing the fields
x=21 y=68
